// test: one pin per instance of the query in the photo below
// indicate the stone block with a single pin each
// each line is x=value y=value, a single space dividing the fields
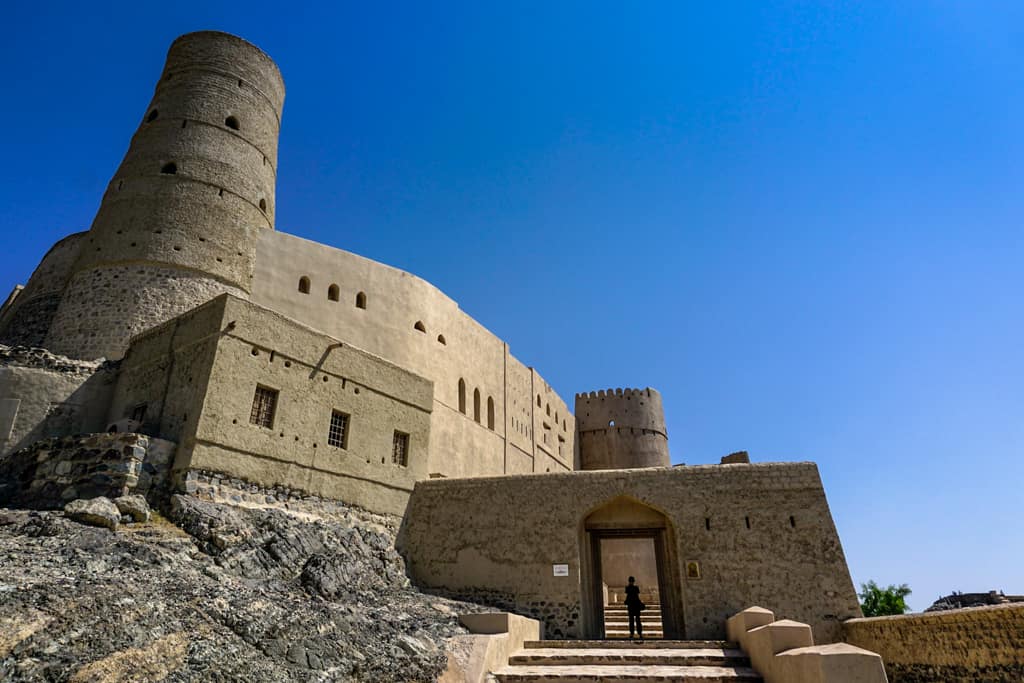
x=135 y=507
x=835 y=663
x=736 y=626
x=98 y=511
x=764 y=642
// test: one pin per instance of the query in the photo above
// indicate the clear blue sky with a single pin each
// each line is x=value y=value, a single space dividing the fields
x=800 y=222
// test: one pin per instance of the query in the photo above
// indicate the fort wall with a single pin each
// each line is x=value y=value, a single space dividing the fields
x=971 y=644
x=621 y=428
x=491 y=414
x=215 y=360
x=742 y=525
x=44 y=396
x=180 y=218
x=27 y=319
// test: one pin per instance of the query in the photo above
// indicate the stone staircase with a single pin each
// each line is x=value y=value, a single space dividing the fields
x=617 y=661
x=616 y=622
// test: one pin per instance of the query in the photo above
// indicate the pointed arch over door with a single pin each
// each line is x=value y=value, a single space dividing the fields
x=624 y=517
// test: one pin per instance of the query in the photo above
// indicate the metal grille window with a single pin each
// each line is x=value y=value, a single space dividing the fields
x=400 y=450
x=264 y=402
x=338 y=433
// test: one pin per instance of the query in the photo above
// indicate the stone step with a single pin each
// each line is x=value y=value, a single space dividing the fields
x=604 y=644
x=626 y=674
x=646 y=619
x=629 y=656
x=625 y=613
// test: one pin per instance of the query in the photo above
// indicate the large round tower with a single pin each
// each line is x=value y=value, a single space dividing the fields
x=179 y=220
x=621 y=429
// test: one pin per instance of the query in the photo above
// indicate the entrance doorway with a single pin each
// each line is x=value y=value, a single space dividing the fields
x=627 y=538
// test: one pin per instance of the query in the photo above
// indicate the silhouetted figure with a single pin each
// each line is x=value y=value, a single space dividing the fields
x=634 y=605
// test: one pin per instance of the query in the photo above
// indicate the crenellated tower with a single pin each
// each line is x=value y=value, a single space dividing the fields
x=178 y=222
x=621 y=429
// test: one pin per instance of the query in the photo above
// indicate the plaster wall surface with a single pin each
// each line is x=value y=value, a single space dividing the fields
x=625 y=557
x=39 y=401
x=621 y=428
x=410 y=322
x=971 y=644
x=178 y=222
x=222 y=351
x=459 y=538
x=27 y=319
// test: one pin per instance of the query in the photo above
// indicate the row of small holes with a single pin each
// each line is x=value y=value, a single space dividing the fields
x=746 y=520
x=171 y=168
x=231 y=122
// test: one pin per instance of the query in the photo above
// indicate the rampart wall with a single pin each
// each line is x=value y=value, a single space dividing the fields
x=760 y=534
x=621 y=428
x=198 y=375
x=410 y=322
x=971 y=644
x=27 y=320
x=43 y=395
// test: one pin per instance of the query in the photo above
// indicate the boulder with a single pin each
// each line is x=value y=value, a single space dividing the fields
x=134 y=506
x=94 y=511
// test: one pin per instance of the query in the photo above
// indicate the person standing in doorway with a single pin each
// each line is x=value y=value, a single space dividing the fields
x=634 y=605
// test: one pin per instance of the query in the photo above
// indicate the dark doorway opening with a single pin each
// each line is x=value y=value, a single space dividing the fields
x=627 y=538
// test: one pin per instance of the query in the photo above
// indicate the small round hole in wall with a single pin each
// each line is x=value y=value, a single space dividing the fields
x=235 y=421
x=255 y=352
x=287 y=363
x=282 y=435
x=296 y=438
x=357 y=390
x=231 y=122
x=325 y=378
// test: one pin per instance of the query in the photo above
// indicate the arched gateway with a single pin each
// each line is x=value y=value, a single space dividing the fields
x=624 y=537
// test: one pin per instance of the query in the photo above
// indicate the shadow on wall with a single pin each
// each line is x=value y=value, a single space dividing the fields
x=40 y=404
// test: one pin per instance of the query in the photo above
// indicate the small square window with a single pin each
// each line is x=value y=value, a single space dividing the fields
x=264 y=404
x=139 y=413
x=338 y=433
x=400 y=450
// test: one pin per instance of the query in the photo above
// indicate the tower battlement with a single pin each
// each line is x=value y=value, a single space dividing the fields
x=621 y=428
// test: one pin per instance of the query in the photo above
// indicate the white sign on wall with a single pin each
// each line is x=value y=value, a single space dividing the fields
x=560 y=569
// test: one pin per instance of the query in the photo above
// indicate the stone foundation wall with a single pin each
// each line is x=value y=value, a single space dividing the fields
x=973 y=644
x=52 y=472
x=103 y=308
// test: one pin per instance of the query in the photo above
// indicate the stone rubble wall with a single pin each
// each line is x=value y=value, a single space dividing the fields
x=52 y=472
x=972 y=644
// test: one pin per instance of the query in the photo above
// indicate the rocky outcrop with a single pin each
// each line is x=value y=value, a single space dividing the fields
x=222 y=593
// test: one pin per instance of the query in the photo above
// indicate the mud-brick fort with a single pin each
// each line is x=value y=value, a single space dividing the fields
x=210 y=347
